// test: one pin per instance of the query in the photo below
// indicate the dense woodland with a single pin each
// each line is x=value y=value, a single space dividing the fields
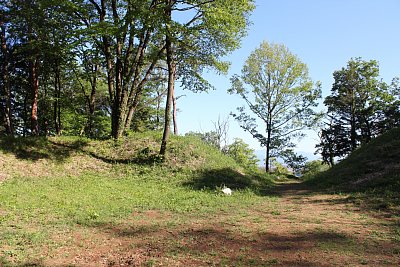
x=103 y=68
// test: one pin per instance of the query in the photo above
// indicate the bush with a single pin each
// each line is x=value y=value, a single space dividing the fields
x=242 y=154
x=311 y=168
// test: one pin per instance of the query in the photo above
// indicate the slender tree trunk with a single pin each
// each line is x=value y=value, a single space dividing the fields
x=353 y=131
x=267 y=152
x=171 y=79
x=331 y=152
x=368 y=136
x=269 y=133
x=35 y=97
x=92 y=100
x=25 y=114
x=57 y=95
x=174 y=114
x=158 y=110
x=6 y=92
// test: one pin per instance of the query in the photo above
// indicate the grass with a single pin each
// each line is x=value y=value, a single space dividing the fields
x=57 y=185
x=371 y=174
x=68 y=200
x=374 y=165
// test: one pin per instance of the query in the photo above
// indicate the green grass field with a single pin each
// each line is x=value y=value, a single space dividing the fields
x=69 y=201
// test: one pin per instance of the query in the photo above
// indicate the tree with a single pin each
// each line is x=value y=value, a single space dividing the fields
x=242 y=154
x=294 y=161
x=213 y=29
x=129 y=35
x=277 y=89
x=210 y=138
x=359 y=106
x=221 y=127
x=313 y=167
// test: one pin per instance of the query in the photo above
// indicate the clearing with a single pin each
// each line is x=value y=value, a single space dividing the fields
x=77 y=202
x=294 y=228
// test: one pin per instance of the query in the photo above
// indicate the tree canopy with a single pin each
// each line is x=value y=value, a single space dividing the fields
x=96 y=66
x=279 y=92
x=360 y=107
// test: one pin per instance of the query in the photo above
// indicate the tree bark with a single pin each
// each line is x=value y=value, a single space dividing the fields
x=92 y=100
x=268 y=148
x=174 y=112
x=35 y=96
x=171 y=79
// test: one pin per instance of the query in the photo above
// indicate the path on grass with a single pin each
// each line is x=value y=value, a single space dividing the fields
x=316 y=229
x=297 y=228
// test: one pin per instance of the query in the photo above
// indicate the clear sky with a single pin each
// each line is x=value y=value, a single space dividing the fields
x=324 y=34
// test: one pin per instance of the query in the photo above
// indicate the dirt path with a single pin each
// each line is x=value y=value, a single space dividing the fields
x=298 y=228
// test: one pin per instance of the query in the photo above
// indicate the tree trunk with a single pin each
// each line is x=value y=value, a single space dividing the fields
x=171 y=79
x=35 y=97
x=267 y=152
x=353 y=131
x=92 y=100
x=5 y=94
x=174 y=114
x=57 y=95
x=269 y=132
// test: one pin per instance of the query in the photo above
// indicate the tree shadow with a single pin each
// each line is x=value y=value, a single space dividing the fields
x=5 y=263
x=258 y=249
x=216 y=178
x=144 y=157
x=37 y=148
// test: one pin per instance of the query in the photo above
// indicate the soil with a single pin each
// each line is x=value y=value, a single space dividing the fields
x=299 y=228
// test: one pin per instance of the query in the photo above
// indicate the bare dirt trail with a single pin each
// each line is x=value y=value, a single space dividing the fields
x=298 y=228
x=328 y=230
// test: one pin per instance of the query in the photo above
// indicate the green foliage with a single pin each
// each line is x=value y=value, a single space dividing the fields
x=203 y=40
x=371 y=166
x=242 y=154
x=294 y=161
x=279 y=169
x=360 y=108
x=312 y=168
x=210 y=138
x=100 y=65
x=277 y=89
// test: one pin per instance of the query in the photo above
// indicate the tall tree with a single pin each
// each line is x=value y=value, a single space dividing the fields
x=277 y=89
x=211 y=30
x=358 y=108
x=127 y=33
x=171 y=65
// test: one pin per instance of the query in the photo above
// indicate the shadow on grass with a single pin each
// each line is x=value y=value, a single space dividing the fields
x=5 y=263
x=226 y=247
x=381 y=195
x=144 y=157
x=36 y=148
x=259 y=183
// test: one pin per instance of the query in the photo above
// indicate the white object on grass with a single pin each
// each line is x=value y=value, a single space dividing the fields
x=227 y=191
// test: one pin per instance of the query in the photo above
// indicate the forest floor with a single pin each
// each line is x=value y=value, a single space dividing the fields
x=295 y=227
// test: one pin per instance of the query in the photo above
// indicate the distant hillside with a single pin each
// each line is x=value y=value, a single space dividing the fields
x=375 y=165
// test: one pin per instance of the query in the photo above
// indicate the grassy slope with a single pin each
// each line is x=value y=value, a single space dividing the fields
x=373 y=170
x=54 y=185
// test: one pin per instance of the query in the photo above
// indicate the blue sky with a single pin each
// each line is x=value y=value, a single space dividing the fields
x=324 y=34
